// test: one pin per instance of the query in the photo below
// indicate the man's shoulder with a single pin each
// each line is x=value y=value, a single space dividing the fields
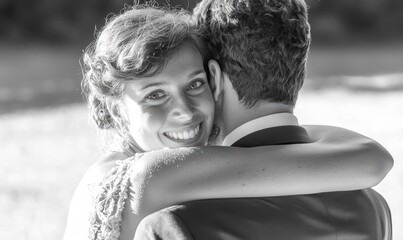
x=328 y=129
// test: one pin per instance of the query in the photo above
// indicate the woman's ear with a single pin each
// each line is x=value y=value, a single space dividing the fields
x=216 y=81
x=114 y=109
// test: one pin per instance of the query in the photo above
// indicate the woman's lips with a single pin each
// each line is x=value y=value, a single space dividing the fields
x=185 y=135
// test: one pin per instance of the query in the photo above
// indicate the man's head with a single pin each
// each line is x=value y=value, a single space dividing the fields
x=261 y=45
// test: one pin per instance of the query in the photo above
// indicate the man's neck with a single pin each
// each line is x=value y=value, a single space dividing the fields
x=238 y=114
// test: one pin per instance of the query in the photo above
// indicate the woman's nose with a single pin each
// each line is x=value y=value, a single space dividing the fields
x=183 y=109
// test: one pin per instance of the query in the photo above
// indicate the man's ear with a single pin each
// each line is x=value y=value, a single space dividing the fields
x=217 y=78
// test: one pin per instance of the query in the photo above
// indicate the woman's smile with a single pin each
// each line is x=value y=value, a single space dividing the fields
x=187 y=135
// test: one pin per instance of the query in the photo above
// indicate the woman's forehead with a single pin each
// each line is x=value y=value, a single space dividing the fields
x=184 y=64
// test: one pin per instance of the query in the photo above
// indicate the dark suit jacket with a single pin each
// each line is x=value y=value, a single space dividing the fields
x=351 y=215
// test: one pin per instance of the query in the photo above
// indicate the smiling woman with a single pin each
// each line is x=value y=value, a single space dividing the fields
x=174 y=108
x=146 y=79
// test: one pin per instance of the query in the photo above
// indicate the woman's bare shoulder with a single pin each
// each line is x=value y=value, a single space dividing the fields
x=103 y=166
x=82 y=203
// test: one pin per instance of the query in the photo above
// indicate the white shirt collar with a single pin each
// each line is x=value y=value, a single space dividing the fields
x=273 y=120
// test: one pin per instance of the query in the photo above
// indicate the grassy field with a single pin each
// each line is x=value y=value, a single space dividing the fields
x=47 y=143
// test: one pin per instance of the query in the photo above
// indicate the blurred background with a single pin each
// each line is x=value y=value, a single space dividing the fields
x=355 y=80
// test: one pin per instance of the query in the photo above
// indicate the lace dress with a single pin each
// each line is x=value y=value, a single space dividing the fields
x=109 y=201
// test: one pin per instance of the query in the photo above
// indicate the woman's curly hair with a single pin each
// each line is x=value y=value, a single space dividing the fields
x=134 y=44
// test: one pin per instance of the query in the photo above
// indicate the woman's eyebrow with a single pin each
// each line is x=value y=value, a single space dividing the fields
x=151 y=85
x=197 y=72
x=191 y=75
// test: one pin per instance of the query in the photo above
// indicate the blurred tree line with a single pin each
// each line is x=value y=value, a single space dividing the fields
x=357 y=21
x=74 y=21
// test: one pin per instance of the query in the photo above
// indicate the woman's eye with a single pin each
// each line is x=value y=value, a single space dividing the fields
x=155 y=95
x=195 y=84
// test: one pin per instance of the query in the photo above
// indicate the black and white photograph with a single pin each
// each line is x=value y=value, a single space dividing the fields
x=201 y=119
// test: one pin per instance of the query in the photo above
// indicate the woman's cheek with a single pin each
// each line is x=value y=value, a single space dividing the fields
x=209 y=103
x=155 y=117
x=208 y=108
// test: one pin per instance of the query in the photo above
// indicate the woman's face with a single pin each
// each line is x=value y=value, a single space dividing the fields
x=174 y=108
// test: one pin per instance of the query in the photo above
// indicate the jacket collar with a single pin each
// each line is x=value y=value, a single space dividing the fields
x=290 y=134
x=269 y=121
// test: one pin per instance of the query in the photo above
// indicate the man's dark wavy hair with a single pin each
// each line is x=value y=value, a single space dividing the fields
x=261 y=44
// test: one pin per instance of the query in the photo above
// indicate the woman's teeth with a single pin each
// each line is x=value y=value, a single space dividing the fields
x=184 y=135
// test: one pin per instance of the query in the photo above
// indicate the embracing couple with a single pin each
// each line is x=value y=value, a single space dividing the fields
x=202 y=109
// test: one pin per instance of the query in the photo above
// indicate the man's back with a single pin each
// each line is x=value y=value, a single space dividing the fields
x=341 y=215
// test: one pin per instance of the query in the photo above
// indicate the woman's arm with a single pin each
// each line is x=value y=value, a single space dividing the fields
x=336 y=160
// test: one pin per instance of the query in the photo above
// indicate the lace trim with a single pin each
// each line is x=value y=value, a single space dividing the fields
x=109 y=201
